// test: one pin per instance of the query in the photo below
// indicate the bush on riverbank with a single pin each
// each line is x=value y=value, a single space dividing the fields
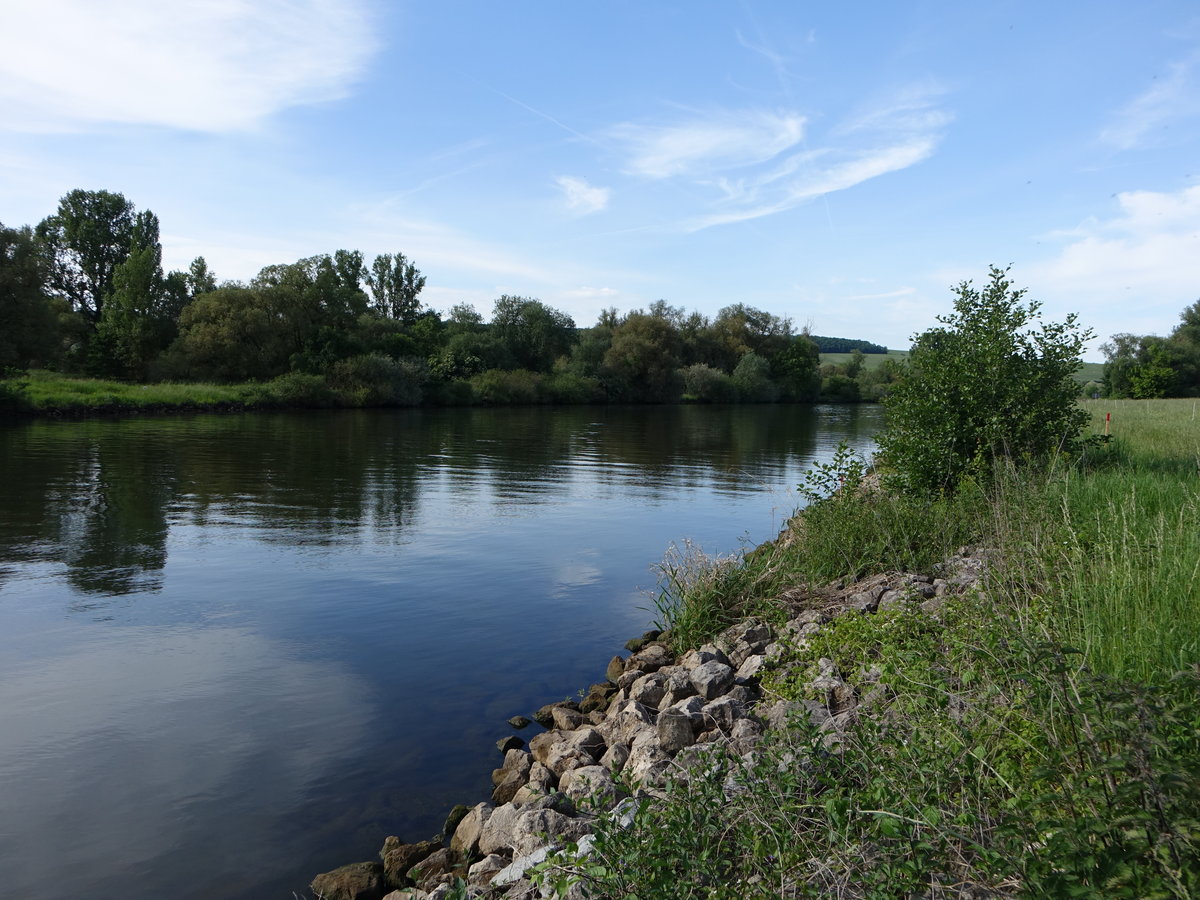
x=1040 y=738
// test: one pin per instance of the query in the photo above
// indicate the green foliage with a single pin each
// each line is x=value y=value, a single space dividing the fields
x=703 y=383
x=535 y=334
x=294 y=390
x=987 y=385
x=396 y=285
x=497 y=387
x=376 y=380
x=642 y=362
x=84 y=241
x=752 y=378
x=28 y=325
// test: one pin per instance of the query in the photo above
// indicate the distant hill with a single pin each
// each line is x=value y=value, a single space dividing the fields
x=844 y=345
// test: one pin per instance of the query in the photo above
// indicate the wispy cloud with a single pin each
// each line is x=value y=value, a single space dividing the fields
x=756 y=163
x=71 y=64
x=581 y=196
x=708 y=144
x=1174 y=96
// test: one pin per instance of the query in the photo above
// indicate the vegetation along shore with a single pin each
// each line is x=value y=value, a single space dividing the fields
x=971 y=671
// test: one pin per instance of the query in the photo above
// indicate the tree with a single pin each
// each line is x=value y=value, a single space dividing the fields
x=28 y=324
x=535 y=334
x=395 y=285
x=991 y=383
x=84 y=242
x=642 y=362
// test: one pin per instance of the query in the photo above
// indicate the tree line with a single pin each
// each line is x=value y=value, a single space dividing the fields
x=1148 y=366
x=84 y=292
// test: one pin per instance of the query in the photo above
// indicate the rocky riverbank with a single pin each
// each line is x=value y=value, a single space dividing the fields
x=655 y=717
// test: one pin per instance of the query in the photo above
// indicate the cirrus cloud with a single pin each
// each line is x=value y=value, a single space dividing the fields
x=71 y=64
x=581 y=196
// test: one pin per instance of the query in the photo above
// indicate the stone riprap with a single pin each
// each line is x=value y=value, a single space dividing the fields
x=655 y=717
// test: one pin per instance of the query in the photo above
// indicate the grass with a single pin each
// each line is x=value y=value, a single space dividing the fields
x=51 y=392
x=1090 y=371
x=1041 y=738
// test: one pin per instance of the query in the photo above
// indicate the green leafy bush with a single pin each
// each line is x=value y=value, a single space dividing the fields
x=992 y=382
x=377 y=380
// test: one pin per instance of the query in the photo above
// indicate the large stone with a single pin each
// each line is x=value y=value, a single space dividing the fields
x=615 y=757
x=647 y=764
x=674 y=731
x=597 y=697
x=497 y=834
x=535 y=827
x=511 y=782
x=712 y=679
x=466 y=835
x=628 y=718
x=455 y=816
x=567 y=719
x=429 y=872
x=357 y=881
x=592 y=787
x=511 y=742
x=722 y=713
x=485 y=870
x=540 y=745
x=545 y=715
x=589 y=740
x=398 y=857
x=693 y=708
x=649 y=689
x=616 y=666
x=650 y=658
x=750 y=668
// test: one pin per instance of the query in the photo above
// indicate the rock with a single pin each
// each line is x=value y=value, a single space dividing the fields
x=512 y=742
x=628 y=678
x=934 y=606
x=627 y=718
x=540 y=745
x=693 y=708
x=545 y=715
x=865 y=602
x=399 y=857
x=541 y=782
x=650 y=658
x=567 y=719
x=615 y=757
x=712 y=679
x=455 y=816
x=520 y=722
x=593 y=784
x=647 y=764
x=722 y=713
x=649 y=689
x=466 y=835
x=515 y=760
x=750 y=668
x=497 y=833
x=597 y=697
x=428 y=872
x=589 y=740
x=810 y=617
x=535 y=827
x=633 y=645
x=674 y=731
x=485 y=870
x=616 y=666
x=511 y=782
x=654 y=635
x=407 y=894
x=892 y=601
x=357 y=881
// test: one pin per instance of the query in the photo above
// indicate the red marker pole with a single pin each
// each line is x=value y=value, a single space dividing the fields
x=1107 y=419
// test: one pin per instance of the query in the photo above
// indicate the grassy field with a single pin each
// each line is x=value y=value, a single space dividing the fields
x=1091 y=371
x=50 y=391
x=1041 y=738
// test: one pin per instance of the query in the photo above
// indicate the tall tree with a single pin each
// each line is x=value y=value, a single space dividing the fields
x=28 y=325
x=395 y=285
x=85 y=241
x=535 y=334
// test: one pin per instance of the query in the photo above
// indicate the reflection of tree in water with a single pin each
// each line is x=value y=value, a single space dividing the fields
x=100 y=495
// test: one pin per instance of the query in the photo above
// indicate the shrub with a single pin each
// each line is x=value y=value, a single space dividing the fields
x=984 y=386
x=377 y=380
x=705 y=384
x=294 y=389
x=497 y=387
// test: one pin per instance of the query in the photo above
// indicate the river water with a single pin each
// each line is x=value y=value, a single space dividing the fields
x=239 y=650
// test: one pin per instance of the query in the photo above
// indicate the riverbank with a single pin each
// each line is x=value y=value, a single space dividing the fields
x=1037 y=735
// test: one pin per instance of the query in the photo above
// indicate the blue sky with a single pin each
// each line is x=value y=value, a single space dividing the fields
x=841 y=165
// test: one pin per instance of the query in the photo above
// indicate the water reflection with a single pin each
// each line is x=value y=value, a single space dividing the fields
x=96 y=785
x=236 y=650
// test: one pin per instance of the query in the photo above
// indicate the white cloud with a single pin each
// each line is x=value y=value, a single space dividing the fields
x=712 y=143
x=581 y=196
x=1173 y=97
x=754 y=163
x=1132 y=272
x=205 y=66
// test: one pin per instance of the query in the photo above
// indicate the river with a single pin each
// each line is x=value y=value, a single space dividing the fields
x=238 y=650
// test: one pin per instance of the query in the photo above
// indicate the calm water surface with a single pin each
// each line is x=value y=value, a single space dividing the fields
x=239 y=650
